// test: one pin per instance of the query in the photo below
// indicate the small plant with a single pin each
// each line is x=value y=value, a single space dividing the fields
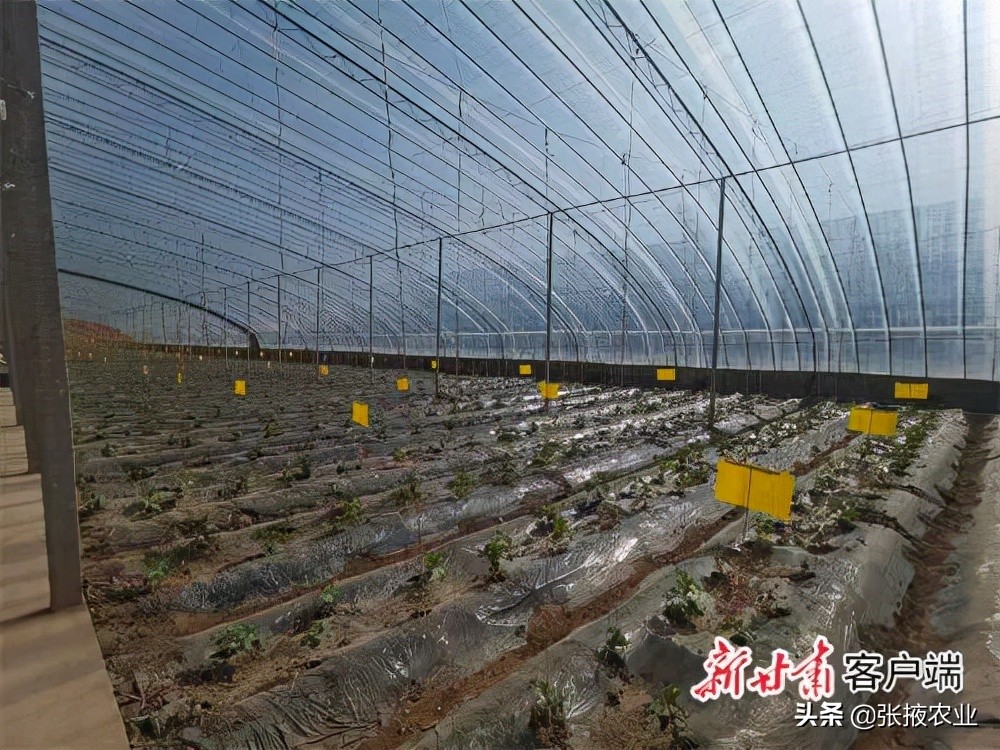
x=234 y=487
x=554 y=524
x=613 y=651
x=91 y=502
x=560 y=529
x=462 y=485
x=506 y=436
x=237 y=639
x=546 y=454
x=737 y=631
x=314 y=635
x=329 y=598
x=683 y=601
x=548 y=715
x=298 y=471
x=608 y=515
x=504 y=470
x=138 y=473
x=764 y=525
x=496 y=550
x=108 y=450
x=272 y=537
x=434 y=567
x=671 y=716
x=687 y=465
x=350 y=513
x=271 y=429
x=157 y=569
x=159 y=565
x=152 y=503
x=410 y=492
x=847 y=520
x=400 y=454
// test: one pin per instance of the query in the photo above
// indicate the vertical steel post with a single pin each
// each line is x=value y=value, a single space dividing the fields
x=280 y=360
x=458 y=325
x=319 y=289
x=718 y=289
x=371 y=317
x=437 y=330
x=204 y=322
x=249 y=312
x=624 y=315
x=34 y=334
x=225 y=328
x=402 y=312
x=548 y=305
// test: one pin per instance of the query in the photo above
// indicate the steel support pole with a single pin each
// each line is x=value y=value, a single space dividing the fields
x=225 y=331
x=437 y=330
x=319 y=289
x=249 y=311
x=31 y=296
x=371 y=318
x=279 y=320
x=548 y=305
x=715 y=319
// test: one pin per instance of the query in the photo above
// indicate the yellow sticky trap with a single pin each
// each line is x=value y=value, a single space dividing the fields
x=912 y=390
x=402 y=384
x=359 y=413
x=524 y=369
x=548 y=390
x=666 y=373
x=870 y=421
x=755 y=488
x=180 y=377
x=324 y=370
x=240 y=387
x=434 y=364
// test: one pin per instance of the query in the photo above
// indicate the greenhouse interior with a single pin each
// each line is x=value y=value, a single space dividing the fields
x=446 y=374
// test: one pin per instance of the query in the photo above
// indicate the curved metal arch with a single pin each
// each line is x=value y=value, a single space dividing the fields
x=638 y=45
x=680 y=224
x=795 y=169
x=485 y=154
x=254 y=343
x=781 y=216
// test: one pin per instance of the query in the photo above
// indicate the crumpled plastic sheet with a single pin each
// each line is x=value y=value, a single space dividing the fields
x=350 y=693
x=860 y=586
x=277 y=574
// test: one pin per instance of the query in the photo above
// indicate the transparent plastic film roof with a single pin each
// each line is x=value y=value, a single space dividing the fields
x=207 y=159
